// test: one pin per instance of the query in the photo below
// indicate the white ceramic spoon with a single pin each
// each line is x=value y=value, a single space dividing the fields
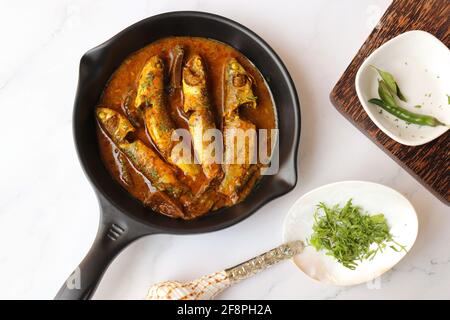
x=373 y=198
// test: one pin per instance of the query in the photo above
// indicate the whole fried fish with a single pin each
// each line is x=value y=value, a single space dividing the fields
x=159 y=125
x=239 y=134
x=144 y=159
x=201 y=120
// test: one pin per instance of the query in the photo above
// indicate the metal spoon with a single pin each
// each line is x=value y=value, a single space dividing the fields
x=209 y=286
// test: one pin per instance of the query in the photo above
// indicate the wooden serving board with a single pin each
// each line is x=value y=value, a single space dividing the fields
x=429 y=163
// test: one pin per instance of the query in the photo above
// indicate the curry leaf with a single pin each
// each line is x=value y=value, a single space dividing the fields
x=385 y=94
x=391 y=83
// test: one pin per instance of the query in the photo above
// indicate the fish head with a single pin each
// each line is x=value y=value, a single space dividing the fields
x=194 y=73
x=155 y=63
x=116 y=125
x=150 y=84
x=239 y=87
x=194 y=85
x=152 y=75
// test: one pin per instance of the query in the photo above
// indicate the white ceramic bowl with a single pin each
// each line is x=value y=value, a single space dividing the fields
x=373 y=198
x=420 y=63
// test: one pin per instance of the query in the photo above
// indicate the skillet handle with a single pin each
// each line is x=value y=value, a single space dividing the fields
x=114 y=234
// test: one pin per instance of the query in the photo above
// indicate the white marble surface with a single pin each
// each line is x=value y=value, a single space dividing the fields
x=49 y=214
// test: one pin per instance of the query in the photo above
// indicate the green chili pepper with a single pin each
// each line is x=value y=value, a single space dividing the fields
x=388 y=90
x=406 y=115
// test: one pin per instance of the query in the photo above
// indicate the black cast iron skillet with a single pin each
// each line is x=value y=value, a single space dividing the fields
x=124 y=219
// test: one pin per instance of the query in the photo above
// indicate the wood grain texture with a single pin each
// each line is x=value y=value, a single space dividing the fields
x=429 y=163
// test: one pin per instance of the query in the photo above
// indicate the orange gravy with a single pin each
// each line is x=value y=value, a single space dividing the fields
x=124 y=79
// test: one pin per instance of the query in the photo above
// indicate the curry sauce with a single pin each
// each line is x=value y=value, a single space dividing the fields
x=204 y=193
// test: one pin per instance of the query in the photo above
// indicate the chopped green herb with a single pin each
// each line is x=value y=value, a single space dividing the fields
x=153 y=173
x=150 y=76
x=418 y=106
x=171 y=190
x=148 y=82
x=448 y=99
x=164 y=126
x=349 y=235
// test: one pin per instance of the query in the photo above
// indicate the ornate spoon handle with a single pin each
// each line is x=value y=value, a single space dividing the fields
x=207 y=287
x=257 y=264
